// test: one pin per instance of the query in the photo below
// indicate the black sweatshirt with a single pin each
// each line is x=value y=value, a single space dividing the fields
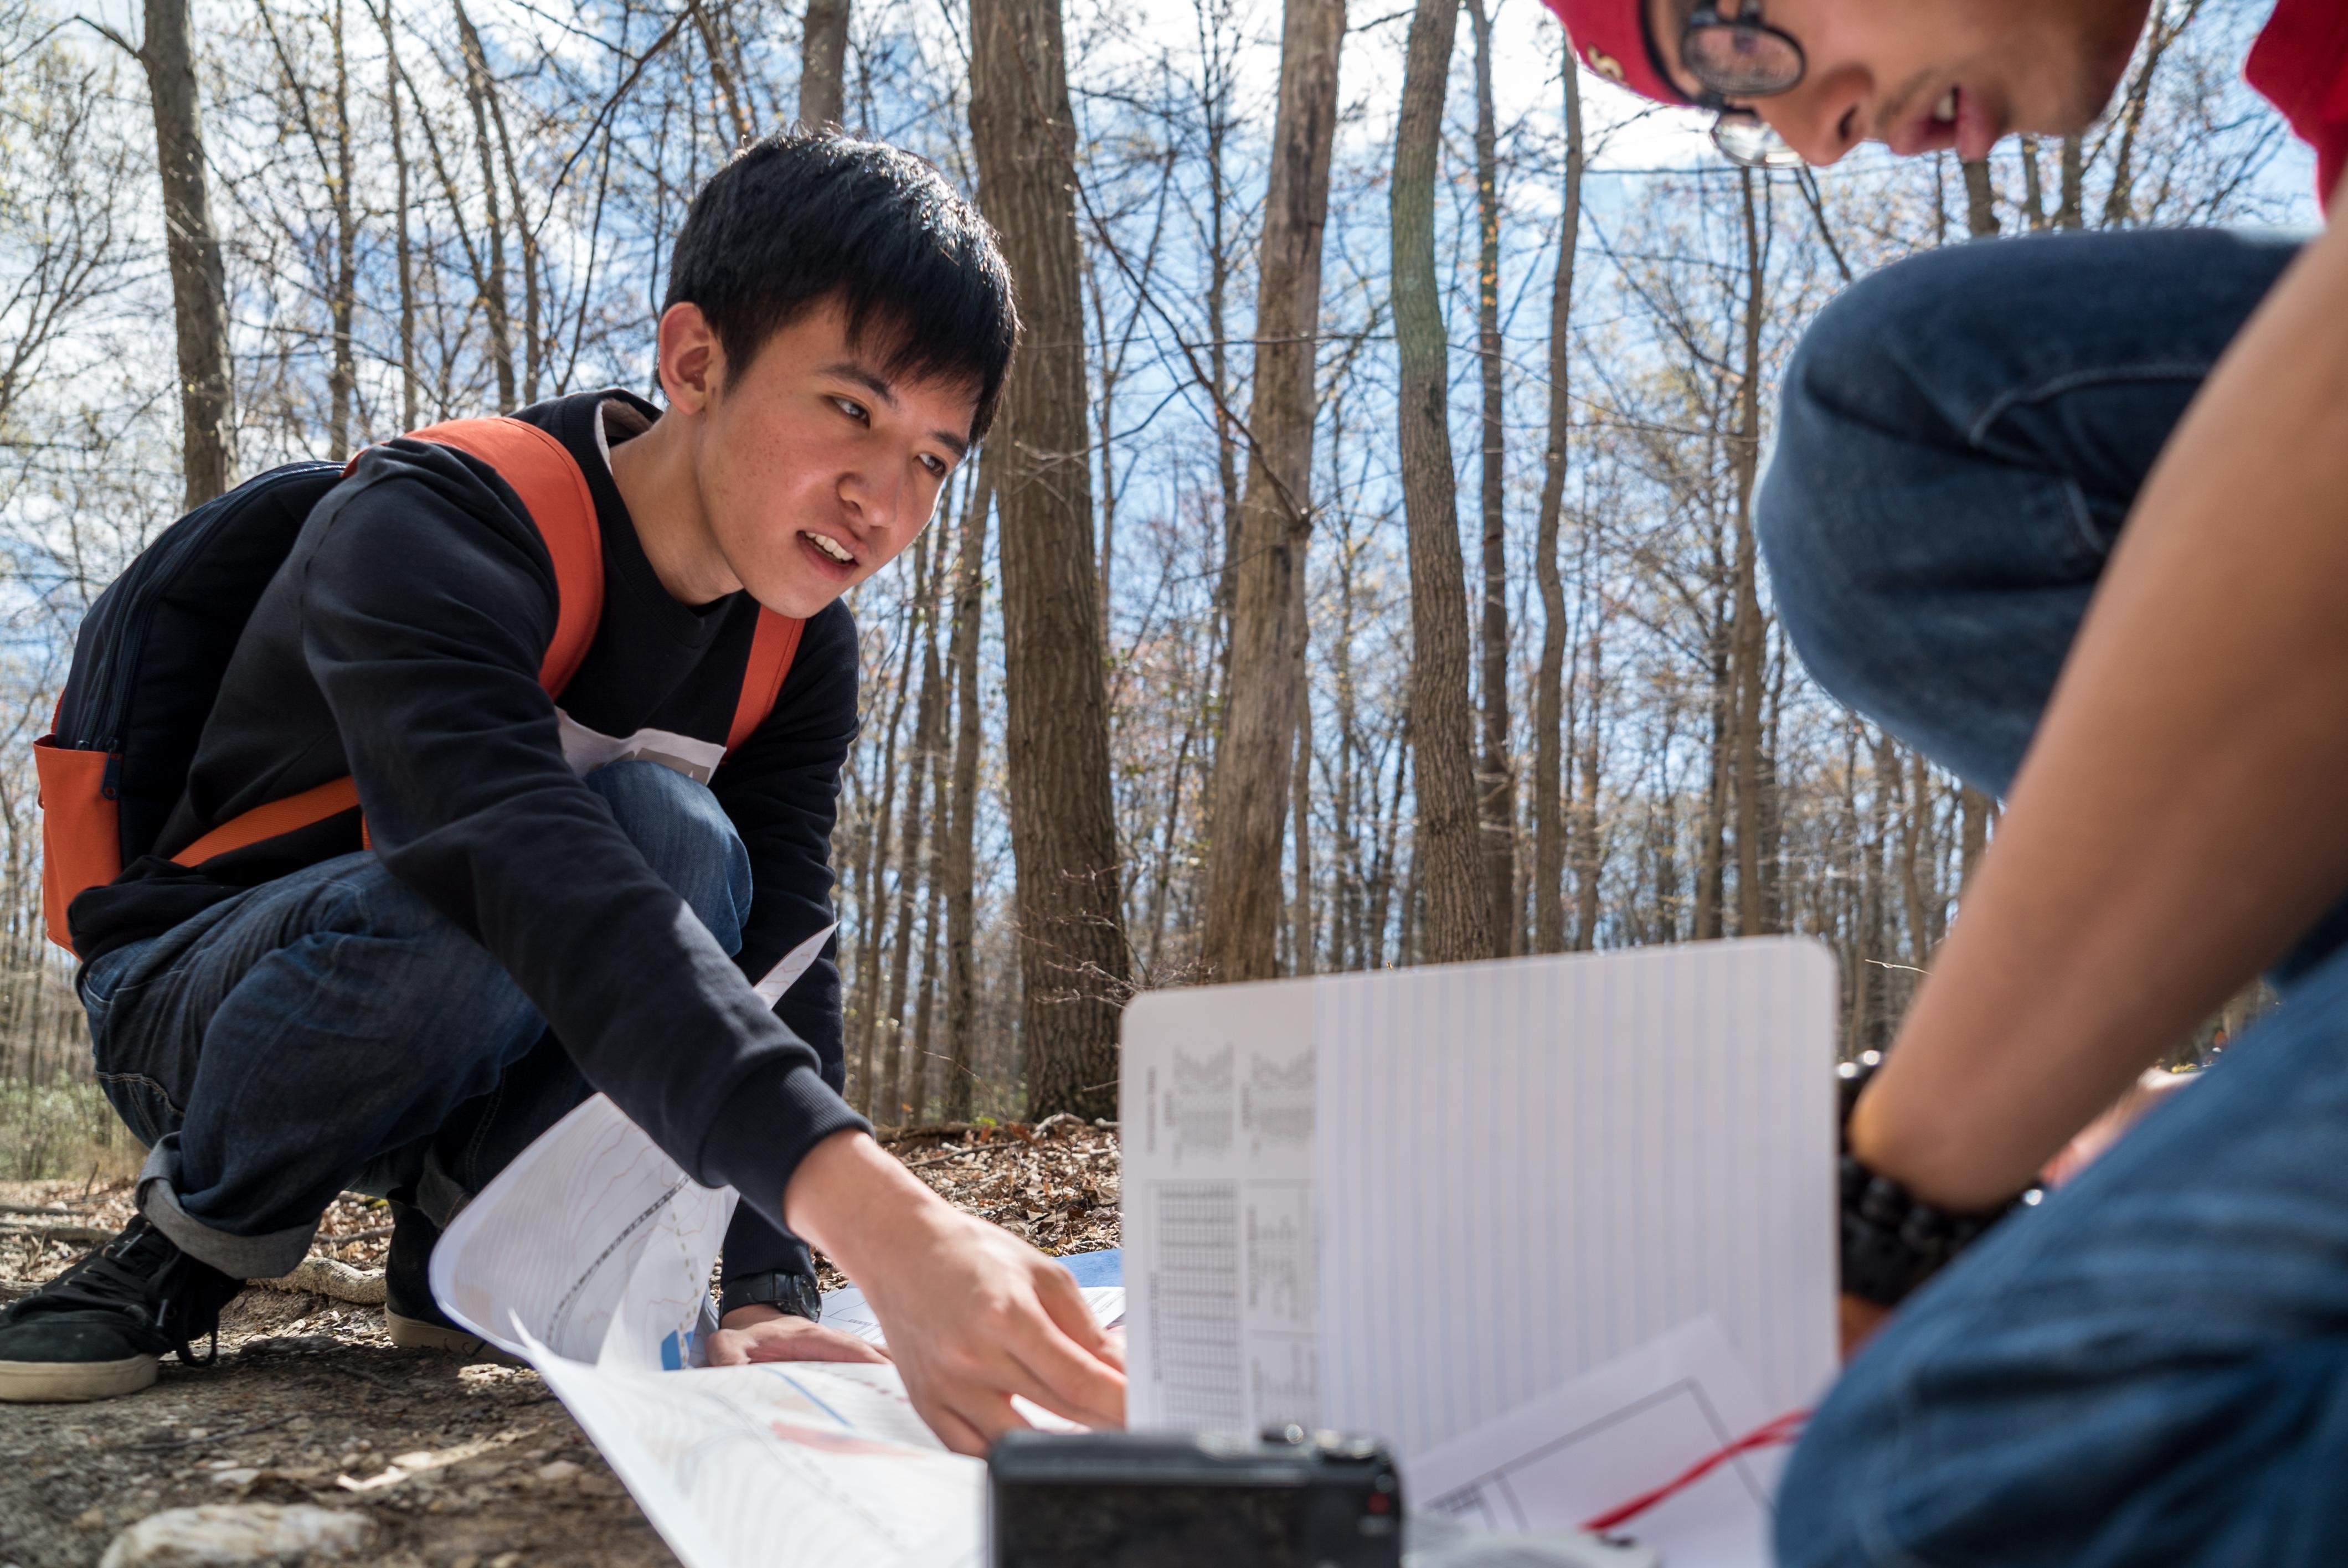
x=400 y=644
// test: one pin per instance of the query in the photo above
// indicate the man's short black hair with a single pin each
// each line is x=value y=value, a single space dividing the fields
x=801 y=218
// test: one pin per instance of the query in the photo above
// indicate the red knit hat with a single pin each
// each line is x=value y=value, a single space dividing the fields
x=1610 y=37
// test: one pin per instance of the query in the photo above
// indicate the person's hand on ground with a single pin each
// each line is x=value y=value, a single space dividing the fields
x=763 y=1333
x=2106 y=1130
x=974 y=1315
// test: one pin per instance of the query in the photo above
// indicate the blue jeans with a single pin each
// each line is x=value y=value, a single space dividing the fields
x=2151 y=1367
x=331 y=1030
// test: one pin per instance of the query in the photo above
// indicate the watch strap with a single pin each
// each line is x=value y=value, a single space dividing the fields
x=795 y=1294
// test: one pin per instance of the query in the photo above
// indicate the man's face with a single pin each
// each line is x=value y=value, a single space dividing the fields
x=818 y=466
x=1921 y=76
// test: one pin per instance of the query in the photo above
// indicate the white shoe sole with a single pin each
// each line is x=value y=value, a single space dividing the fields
x=415 y=1334
x=65 y=1382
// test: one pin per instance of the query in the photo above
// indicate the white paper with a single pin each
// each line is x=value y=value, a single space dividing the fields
x=778 y=1465
x=590 y=1257
x=1530 y=1168
x=792 y=966
x=1611 y=1435
x=594 y=1234
x=1510 y=1174
x=592 y=1240
x=1216 y=1146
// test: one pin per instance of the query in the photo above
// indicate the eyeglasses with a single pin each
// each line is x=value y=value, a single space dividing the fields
x=1745 y=139
x=1740 y=57
x=1736 y=58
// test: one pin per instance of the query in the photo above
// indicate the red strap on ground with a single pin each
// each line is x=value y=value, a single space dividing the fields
x=1783 y=1430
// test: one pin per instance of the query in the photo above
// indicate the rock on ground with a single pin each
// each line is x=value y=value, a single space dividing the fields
x=239 y=1532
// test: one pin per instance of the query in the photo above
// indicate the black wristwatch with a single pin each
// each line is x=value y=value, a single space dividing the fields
x=793 y=1293
x=1891 y=1242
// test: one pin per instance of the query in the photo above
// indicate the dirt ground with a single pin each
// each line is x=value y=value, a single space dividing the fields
x=456 y=1465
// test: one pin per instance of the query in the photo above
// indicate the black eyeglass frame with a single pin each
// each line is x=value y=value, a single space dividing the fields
x=1706 y=18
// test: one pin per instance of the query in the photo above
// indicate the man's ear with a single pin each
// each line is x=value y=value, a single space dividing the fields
x=692 y=360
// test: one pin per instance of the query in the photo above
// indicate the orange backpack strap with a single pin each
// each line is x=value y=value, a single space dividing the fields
x=271 y=818
x=542 y=473
x=772 y=648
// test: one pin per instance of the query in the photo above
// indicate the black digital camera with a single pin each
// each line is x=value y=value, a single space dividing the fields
x=1289 y=1499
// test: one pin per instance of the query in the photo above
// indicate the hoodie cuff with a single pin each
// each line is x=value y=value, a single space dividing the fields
x=767 y=1126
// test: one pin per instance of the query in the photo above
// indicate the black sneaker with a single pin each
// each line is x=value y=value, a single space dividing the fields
x=410 y=1316
x=101 y=1328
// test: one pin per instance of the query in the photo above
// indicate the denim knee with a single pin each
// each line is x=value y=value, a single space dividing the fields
x=1830 y=514
x=389 y=911
x=1926 y=582
x=1818 y=1519
x=685 y=838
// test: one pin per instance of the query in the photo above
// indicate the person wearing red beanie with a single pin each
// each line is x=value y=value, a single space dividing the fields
x=2069 y=513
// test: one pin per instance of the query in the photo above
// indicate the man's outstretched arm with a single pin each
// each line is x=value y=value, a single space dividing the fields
x=973 y=1314
x=2178 y=823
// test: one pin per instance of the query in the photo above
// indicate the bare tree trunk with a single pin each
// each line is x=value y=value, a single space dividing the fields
x=933 y=918
x=1495 y=783
x=1549 y=701
x=493 y=290
x=1711 y=878
x=1300 y=831
x=871 y=1091
x=1073 y=955
x=1164 y=881
x=2071 y=213
x=1915 y=820
x=1980 y=200
x=823 y=62
x=1771 y=794
x=1215 y=120
x=909 y=835
x=1588 y=837
x=1345 y=878
x=1976 y=811
x=533 y=336
x=1263 y=694
x=1868 y=941
x=343 y=379
x=2034 y=185
x=1747 y=648
x=960 y=852
x=403 y=243
x=1445 y=862
x=192 y=247
x=721 y=74
x=1381 y=878
x=917 y=1089
x=2119 y=201
x=475 y=267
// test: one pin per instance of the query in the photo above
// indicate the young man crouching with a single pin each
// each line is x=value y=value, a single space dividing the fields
x=537 y=901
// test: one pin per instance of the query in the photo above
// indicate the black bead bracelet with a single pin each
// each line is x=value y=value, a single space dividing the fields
x=1893 y=1242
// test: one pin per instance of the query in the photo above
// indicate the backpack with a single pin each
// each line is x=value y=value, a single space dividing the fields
x=150 y=655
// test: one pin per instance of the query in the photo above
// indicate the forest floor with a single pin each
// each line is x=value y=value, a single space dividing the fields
x=452 y=1464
